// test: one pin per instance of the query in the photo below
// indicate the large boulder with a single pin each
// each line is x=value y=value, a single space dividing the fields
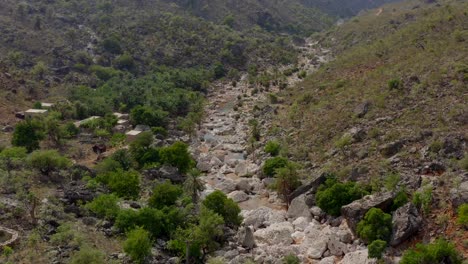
x=392 y=148
x=78 y=192
x=298 y=208
x=275 y=234
x=316 y=240
x=358 y=257
x=238 y=196
x=262 y=217
x=406 y=221
x=355 y=211
x=309 y=189
x=165 y=173
x=246 y=238
x=459 y=195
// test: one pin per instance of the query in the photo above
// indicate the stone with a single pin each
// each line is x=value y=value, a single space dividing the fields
x=358 y=257
x=316 y=241
x=317 y=212
x=361 y=110
x=459 y=195
x=8 y=129
x=275 y=234
x=165 y=173
x=78 y=192
x=354 y=211
x=391 y=149
x=227 y=186
x=298 y=208
x=300 y=223
x=336 y=247
x=204 y=166
x=327 y=260
x=246 y=237
x=241 y=169
x=406 y=222
x=357 y=134
x=310 y=188
x=262 y=217
x=238 y=196
x=244 y=185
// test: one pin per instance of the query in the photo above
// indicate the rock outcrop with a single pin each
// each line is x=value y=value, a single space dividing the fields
x=406 y=222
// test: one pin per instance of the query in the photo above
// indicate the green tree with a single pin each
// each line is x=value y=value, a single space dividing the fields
x=272 y=164
x=47 y=161
x=273 y=148
x=440 y=251
x=193 y=185
x=12 y=157
x=332 y=195
x=177 y=155
x=375 y=225
x=138 y=244
x=124 y=184
x=376 y=248
x=39 y=70
x=105 y=206
x=286 y=181
x=125 y=62
x=87 y=255
x=164 y=195
x=219 y=203
x=28 y=134
x=145 y=115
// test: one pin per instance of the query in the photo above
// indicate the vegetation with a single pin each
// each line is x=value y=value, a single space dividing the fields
x=47 y=161
x=463 y=215
x=28 y=134
x=291 y=259
x=105 y=206
x=436 y=252
x=218 y=202
x=88 y=255
x=273 y=148
x=138 y=245
x=125 y=184
x=376 y=248
x=272 y=164
x=165 y=195
x=286 y=181
x=332 y=195
x=376 y=225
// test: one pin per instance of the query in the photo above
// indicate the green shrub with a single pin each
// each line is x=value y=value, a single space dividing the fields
x=124 y=184
x=394 y=84
x=138 y=245
x=165 y=194
x=436 y=146
x=47 y=161
x=273 y=147
x=286 y=181
x=344 y=141
x=177 y=155
x=423 y=199
x=302 y=74
x=219 y=203
x=28 y=134
x=375 y=225
x=272 y=164
x=401 y=198
x=87 y=255
x=332 y=195
x=105 y=206
x=463 y=215
x=440 y=251
x=291 y=259
x=376 y=248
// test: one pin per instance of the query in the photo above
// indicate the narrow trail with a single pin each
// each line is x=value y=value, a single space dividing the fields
x=222 y=147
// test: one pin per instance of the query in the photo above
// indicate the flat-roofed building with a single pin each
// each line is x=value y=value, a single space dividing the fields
x=35 y=112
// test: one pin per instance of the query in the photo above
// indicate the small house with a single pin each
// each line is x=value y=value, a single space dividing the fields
x=132 y=134
x=46 y=105
x=79 y=123
x=30 y=113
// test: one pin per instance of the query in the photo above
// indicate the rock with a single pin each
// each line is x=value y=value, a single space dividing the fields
x=357 y=134
x=244 y=185
x=454 y=146
x=354 y=211
x=300 y=223
x=310 y=188
x=210 y=139
x=336 y=247
x=316 y=240
x=298 y=207
x=357 y=257
x=327 y=260
x=227 y=186
x=78 y=192
x=238 y=196
x=165 y=173
x=391 y=149
x=275 y=234
x=459 y=195
x=434 y=168
x=262 y=217
x=361 y=110
x=203 y=166
x=246 y=238
x=241 y=169
x=8 y=129
x=406 y=222
x=89 y=221
x=317 y=212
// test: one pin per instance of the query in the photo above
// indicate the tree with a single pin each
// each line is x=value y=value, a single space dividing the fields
x=376 y=248
x=165 y=195
x=144 y=115
x=125 y=62
x=273 y=148
x=27 y=134
x=47 y=161
x=105 y=206
x=375 y=225
x=39 y=70
x=219 y=203
x=87 y=255
x=286 y=181
x=272 y=164
x=332 y=195
x=440 y=251
x=138 y=244
x=12 y=157
x=193 y=185
x=177 y=155
x=124 y=184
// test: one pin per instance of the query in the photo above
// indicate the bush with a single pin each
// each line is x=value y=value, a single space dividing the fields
x=272 y=164
x=272 y=147
x=177 y=155
x=440 y=251
x=291 y=259
x=87 y=255
x=47 y=161
x=138 y=245
x=219 y=203
x=332 y=195
x=401 y=198
x=463 y=215
x=28 y=134
x=124 y=184
x=376 y=248
x=375 y=225
x=423 y=199
x=394 y=84
x=105 y=206
x=144 y=115
x=165 y=195
x=286 y=181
